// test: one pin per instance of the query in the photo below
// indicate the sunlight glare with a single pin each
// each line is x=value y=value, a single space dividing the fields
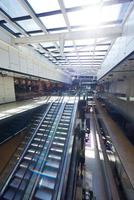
x=94 y=16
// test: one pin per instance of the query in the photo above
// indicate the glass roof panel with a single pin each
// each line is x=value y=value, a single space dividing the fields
x=73 y=3
x=69 y=49
x=47 y=44
x=99 y=53
x=11 y=28
x=104 y=40
x=84 y=42
x=40 y=6
x=102 y=47
x=84 y=53
x=98 y=57
x=75 y=58
x=29 y=25
x=95 y=15
x=1 y=18
x=80 y=17
x=110 y=13
x=13 y=8
x=53 y=21
x=80 y=28
x=83 y=57
x=85 y=48
x=71 y=54
x=58 y=31
x=34 y=34
x=69 y=43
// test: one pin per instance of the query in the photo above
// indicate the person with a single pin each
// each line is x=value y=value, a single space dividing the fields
x=87 y=194
x=82 y=115
x=81 y=161
x=82 y=138
x=88 y=125
x=77 y=131
x=81 y=109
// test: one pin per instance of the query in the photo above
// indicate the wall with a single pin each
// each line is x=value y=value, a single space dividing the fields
x=122 y=47
x=125 y=87
x=120 y=94
x=24 y=59
x=7 y=93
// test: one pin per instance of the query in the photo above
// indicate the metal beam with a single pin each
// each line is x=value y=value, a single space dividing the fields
x=111 y=32
x=62 y=7
x=17 y=27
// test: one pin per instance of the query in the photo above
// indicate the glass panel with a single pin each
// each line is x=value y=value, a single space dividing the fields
x=95 y=15
x=84 y=53
x=34 y=34
x=1 y=18
x=53 y=21
x=85 y=57
x=69 y=49
x=80 y=17
x=40 y=6
x=29 y=25
x=71 y=54
x=99 y=53
x=84 y=42
x=110 y=13
x=47 y=44
x=102 y=47
x=69 y=43
x=58 y=31
x=75 y=58
x=103 y=40
x=11 y=27
x=73 y=3
x=85 y=48
x=97 y=57
x=13 y=8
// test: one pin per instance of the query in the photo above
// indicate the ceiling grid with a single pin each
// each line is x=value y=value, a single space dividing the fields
x=75 y=35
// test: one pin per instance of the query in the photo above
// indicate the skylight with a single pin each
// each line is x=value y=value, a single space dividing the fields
x=110 y=13
x=74 y=3
x=53 y=21
x=84 y=42
x=84 y=17
x=11 y=28
x=13 y=8
x=47 y=44
x=68 y=43
x=29 y=25
x=102 y=47
x=73 y=15
x=94 y=15
x=40 y=6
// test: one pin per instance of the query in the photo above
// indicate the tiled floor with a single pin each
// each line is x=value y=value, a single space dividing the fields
x=93 y=174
